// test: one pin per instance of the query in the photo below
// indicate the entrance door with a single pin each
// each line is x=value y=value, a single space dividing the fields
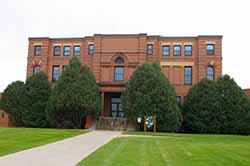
x=116 y=109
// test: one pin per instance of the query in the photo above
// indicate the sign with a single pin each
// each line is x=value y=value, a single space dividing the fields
x=150 y=122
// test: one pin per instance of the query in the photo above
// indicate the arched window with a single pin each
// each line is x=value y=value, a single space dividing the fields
x=119 y=60
x=119 y=69
x=36 y=69
x=210 y=73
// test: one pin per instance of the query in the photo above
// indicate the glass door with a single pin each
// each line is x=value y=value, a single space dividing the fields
x=116 y=109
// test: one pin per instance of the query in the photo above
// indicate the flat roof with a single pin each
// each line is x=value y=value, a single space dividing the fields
x=139 y=34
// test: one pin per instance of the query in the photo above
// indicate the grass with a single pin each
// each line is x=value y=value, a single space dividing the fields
x=174 y=150
x=17 y=139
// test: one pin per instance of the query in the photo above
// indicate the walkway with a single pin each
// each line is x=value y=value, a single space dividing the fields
x=63 y=153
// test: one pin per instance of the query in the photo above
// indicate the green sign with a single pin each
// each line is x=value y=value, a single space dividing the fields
x=150 y=122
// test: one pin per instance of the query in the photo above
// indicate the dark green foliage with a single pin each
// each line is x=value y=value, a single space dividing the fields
x=217 y=107
x=37 y=92
x=234 y=107
x=74 y=95
x=12 y=102
x=149 y=93
x=201 y=108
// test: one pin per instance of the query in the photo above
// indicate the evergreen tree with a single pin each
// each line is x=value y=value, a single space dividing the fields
x=234 y=107
x=217 y=107
x=74 y=95
x=12 y=102
x=149 y=93
x=201 y=108
x=37 y=92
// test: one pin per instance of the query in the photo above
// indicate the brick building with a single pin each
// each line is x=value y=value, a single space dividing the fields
x=113 y=58
x=4 y=117
x=247 y=92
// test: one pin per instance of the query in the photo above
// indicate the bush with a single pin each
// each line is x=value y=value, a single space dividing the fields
x=149 y=93
x=234 y=107
x=201 y=108
x=37 y=92
x=12 y=102
x=74 y=95
x=217 y=107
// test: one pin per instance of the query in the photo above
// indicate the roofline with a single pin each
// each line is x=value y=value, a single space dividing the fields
x=139 y=34
x=62 y=38
x=131 y=34
x=220 y=36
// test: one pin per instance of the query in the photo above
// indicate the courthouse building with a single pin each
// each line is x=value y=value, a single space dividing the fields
x=114 y=57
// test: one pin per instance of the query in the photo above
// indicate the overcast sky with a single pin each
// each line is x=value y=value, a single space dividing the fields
x=20 y=19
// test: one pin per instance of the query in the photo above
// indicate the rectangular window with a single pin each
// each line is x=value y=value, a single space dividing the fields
x=91 y=49
x=55 y=72
x=188 y=75
x=150 y=49
x=77 y=50
x=188 y=50
x=66 y=50
x=119 y=72
x=177 y=50
x=38 y=50
x=210 y=49
x=165 y=50
x=57 y=50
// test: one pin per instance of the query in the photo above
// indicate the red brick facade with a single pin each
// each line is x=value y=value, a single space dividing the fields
x=4 y=118
x=133 y=49
x=247 y=92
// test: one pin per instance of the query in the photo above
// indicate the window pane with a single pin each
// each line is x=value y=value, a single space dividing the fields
x=56 y=73
x=188 y=75
x=177 y=50
x=66 y=50
x=119 y=60
x=57 y=50
x=77 y=50
x=210 y=49
x=165 y=50
x=188 y=50
x=119 y=73
x=119 y=70
x=91 y=49
x=210 y=73
x=150 y=49
x=38 y=50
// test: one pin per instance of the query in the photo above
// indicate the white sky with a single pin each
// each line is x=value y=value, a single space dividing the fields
x=20 y=19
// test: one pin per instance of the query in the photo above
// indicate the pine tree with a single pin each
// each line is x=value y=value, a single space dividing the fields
x=74 y=95
x=37 y=92
x=149 y=93
x=12 y=102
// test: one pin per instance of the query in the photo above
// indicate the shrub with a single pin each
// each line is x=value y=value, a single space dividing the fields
x=149 y=93
x=37 y=92
x=201 y=108
x=12 y=102
x=217 y=107
x=74 y=95
x=234 y=107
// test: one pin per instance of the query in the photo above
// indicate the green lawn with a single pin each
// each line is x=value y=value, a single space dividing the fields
x=174 y=150
x=17 y=139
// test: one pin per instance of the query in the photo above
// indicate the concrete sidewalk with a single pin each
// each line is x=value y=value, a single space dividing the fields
x=63 y=153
